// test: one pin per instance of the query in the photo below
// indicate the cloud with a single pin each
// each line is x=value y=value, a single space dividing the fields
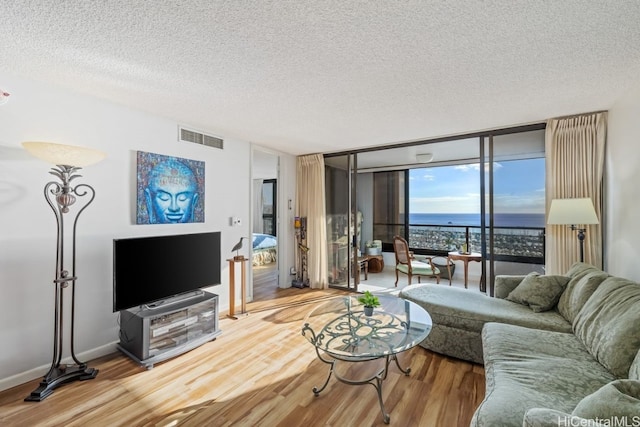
x=466 y=168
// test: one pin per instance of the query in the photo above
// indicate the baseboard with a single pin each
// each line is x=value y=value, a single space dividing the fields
x=39 y=372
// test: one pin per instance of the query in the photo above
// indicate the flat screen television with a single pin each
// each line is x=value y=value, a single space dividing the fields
x=148 y=270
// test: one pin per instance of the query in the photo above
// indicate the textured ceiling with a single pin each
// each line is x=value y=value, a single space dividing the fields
x=322 y=76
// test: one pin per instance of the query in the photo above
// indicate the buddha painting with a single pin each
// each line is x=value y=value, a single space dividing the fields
x=170 y=190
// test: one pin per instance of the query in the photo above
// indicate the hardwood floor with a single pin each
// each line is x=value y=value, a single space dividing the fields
x=259 y=372
x=265 y=281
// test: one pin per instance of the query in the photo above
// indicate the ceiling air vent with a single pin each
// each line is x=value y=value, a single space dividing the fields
x=187 y=135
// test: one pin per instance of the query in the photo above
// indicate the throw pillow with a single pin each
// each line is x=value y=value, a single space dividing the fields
x=620 y=400
x=540 y=293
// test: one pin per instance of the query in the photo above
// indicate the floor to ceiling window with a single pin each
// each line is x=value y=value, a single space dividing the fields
x=437 y=203
x=518 y=210
x=444 y=208
x=340 y=224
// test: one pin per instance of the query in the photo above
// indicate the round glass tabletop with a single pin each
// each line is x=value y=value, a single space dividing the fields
x=340 y=328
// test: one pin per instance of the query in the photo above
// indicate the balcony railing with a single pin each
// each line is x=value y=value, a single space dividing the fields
x=515 y=244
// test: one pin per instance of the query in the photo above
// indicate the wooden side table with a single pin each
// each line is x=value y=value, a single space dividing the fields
x=465 y=258
x=376 y=263
x=232 y=286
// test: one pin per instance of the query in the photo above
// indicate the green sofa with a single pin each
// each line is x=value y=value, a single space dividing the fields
x=566 y=355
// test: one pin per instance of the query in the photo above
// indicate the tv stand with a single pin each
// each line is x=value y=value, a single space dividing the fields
x=151 y=335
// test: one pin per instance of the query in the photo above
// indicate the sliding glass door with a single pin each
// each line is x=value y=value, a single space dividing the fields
x=482 y=195
x=514 y=184
x=344 y=221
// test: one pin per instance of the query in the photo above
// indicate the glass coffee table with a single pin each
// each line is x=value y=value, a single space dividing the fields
x=341 y=332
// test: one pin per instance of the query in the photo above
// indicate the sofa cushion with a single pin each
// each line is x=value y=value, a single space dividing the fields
x=578 y=291
x=608 y=323
x=468 y=310
x=418 y=269
x=618 y=399
x=531 y=368
x=540 y=293
x=579 y=269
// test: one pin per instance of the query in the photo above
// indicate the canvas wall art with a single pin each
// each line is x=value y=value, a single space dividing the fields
x=170 y=190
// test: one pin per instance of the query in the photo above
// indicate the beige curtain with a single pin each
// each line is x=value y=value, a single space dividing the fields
x=310 y=203
x=575 y=148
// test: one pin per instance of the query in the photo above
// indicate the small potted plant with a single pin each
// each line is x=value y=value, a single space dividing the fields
x=369 y=301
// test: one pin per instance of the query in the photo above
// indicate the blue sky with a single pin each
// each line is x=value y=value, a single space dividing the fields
x=518 y=188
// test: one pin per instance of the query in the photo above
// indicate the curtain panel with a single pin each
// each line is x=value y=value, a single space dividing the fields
x=310 y=203
x=575 y=150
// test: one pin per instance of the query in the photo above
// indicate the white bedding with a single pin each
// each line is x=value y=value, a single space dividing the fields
x=265 y=249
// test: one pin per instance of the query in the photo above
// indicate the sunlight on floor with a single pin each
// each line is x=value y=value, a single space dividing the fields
x=383 y=282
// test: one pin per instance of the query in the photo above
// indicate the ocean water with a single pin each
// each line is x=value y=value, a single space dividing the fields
x=500 y=220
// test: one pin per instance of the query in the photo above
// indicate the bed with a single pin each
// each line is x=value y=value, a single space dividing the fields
x=265 y=249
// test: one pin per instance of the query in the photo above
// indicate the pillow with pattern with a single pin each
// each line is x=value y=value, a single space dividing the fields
x=540 y=293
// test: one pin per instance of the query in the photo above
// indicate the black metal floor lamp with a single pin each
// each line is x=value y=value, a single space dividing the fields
x=61 y=196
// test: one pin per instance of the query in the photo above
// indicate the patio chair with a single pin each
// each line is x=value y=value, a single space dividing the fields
x=407 y=264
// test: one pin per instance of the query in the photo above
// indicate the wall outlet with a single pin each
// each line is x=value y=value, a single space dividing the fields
x=235 y=221
x=292 y=271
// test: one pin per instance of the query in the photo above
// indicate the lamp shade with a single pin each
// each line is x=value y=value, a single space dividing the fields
x=60 y=154
x=572 y=211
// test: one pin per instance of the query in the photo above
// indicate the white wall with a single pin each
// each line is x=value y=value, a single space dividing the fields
x=265 y=163
x=27 y=225
x=622 y=232
x=286 y=215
